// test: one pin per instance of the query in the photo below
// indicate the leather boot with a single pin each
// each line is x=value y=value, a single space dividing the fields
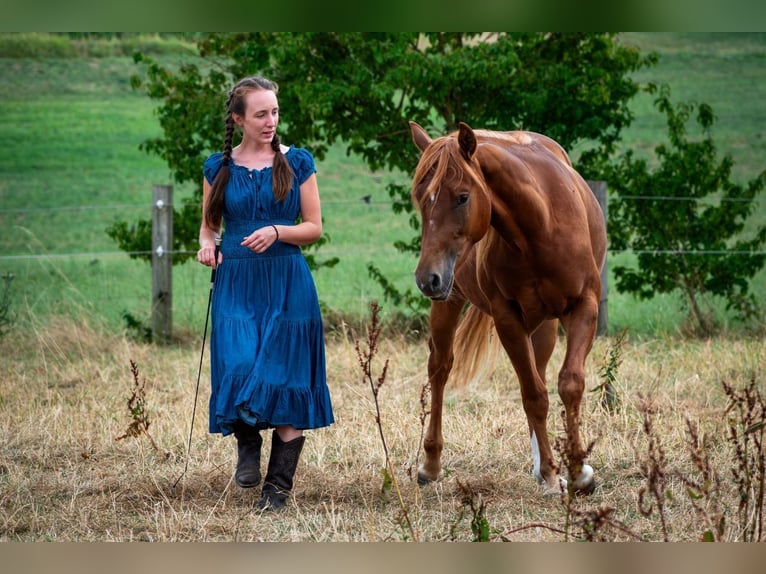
x=248 y=473
x=279 y=478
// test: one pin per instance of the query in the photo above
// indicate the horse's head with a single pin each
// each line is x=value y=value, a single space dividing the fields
x=450 y=193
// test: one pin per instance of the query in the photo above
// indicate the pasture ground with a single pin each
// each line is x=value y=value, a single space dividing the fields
x=64 y=477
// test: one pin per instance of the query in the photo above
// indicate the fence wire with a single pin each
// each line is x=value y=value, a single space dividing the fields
x=329 y=250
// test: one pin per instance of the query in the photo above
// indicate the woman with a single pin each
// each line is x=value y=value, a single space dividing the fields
x=267 y=342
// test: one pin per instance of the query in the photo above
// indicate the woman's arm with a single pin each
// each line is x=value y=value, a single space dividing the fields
x=309 y=229
x=207 y=236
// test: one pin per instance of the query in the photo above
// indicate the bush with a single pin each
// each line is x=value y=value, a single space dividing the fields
x=690 y=245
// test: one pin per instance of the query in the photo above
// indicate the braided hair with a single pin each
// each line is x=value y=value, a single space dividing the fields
x=282 y=173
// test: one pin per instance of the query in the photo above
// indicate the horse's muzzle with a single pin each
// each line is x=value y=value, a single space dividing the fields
x=434 y=285
x=435 y=275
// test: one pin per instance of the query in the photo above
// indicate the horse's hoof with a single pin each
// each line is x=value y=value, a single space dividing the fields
x=588 y=489
x=424 y=478
x=556 y=489
x=586 y=482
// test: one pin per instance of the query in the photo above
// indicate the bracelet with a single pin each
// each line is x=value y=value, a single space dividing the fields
x=277 y=232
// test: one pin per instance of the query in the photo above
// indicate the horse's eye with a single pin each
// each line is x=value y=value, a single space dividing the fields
x=462 y=199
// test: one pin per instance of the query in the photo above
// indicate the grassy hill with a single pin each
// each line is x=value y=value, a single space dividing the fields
x=725 y=70
x=70 y=130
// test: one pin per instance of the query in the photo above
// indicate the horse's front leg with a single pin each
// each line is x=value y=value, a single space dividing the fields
x=580 y=326
x=443 y=322
x=529 y=355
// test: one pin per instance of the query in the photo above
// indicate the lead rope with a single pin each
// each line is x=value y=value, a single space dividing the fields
x=201 y=355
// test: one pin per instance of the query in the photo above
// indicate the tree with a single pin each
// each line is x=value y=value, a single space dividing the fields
x=684 y=219
x=363 y=88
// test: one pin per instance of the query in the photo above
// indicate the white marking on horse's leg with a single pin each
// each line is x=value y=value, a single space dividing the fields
x=536 y=457
x=585 y=480
x=556 y=484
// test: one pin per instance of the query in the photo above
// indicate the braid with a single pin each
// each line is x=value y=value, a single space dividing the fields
x=230 y=125
x=282 y=174
x=214 y=211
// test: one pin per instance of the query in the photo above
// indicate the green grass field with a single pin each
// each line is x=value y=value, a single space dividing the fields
x=724 y=70
x=70 y=130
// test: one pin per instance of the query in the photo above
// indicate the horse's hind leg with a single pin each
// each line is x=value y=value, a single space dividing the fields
x=580 y=326
x=443 y=323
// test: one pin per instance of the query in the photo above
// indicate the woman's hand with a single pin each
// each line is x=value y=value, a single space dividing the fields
x=206 y=256
x=261 y=239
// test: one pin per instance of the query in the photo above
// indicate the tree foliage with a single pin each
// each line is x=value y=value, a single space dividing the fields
x=685 y=219
x=361 y=89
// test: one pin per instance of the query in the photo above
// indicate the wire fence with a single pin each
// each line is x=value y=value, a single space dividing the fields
x=333 y=252
x=327 y=207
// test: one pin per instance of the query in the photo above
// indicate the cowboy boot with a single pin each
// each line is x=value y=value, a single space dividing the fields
x=279 y=478
x=248 y=473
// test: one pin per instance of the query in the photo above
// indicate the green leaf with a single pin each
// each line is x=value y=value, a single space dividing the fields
x=480 y=529
x=668 y=494
x=387 y=480
x=692 y=494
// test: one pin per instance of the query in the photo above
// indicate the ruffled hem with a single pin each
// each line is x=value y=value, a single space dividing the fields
x=282 y=382
x=267 y=405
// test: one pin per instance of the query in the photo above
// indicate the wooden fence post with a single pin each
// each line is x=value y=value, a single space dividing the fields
x=599 y=190
x=162 y=263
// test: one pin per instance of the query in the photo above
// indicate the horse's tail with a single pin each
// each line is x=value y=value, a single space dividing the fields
x=475 y=348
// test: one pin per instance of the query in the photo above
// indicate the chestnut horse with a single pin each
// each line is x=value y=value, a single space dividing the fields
x=512 y=230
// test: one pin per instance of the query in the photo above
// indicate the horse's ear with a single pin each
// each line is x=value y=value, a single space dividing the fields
x=419 y=136
x=467 y=140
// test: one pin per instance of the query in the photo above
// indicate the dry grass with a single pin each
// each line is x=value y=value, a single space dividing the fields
x=64 y=477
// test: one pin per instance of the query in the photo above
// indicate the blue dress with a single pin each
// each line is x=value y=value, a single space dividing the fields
x=267 y=355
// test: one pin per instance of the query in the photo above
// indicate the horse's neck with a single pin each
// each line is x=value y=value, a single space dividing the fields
x=519 y=214
x=519 y=210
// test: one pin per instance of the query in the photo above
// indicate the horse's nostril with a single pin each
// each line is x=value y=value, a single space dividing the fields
x=430 y=284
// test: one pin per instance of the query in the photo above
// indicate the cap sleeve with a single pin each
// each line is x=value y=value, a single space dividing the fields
x=302 y=163
x=212 y=165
